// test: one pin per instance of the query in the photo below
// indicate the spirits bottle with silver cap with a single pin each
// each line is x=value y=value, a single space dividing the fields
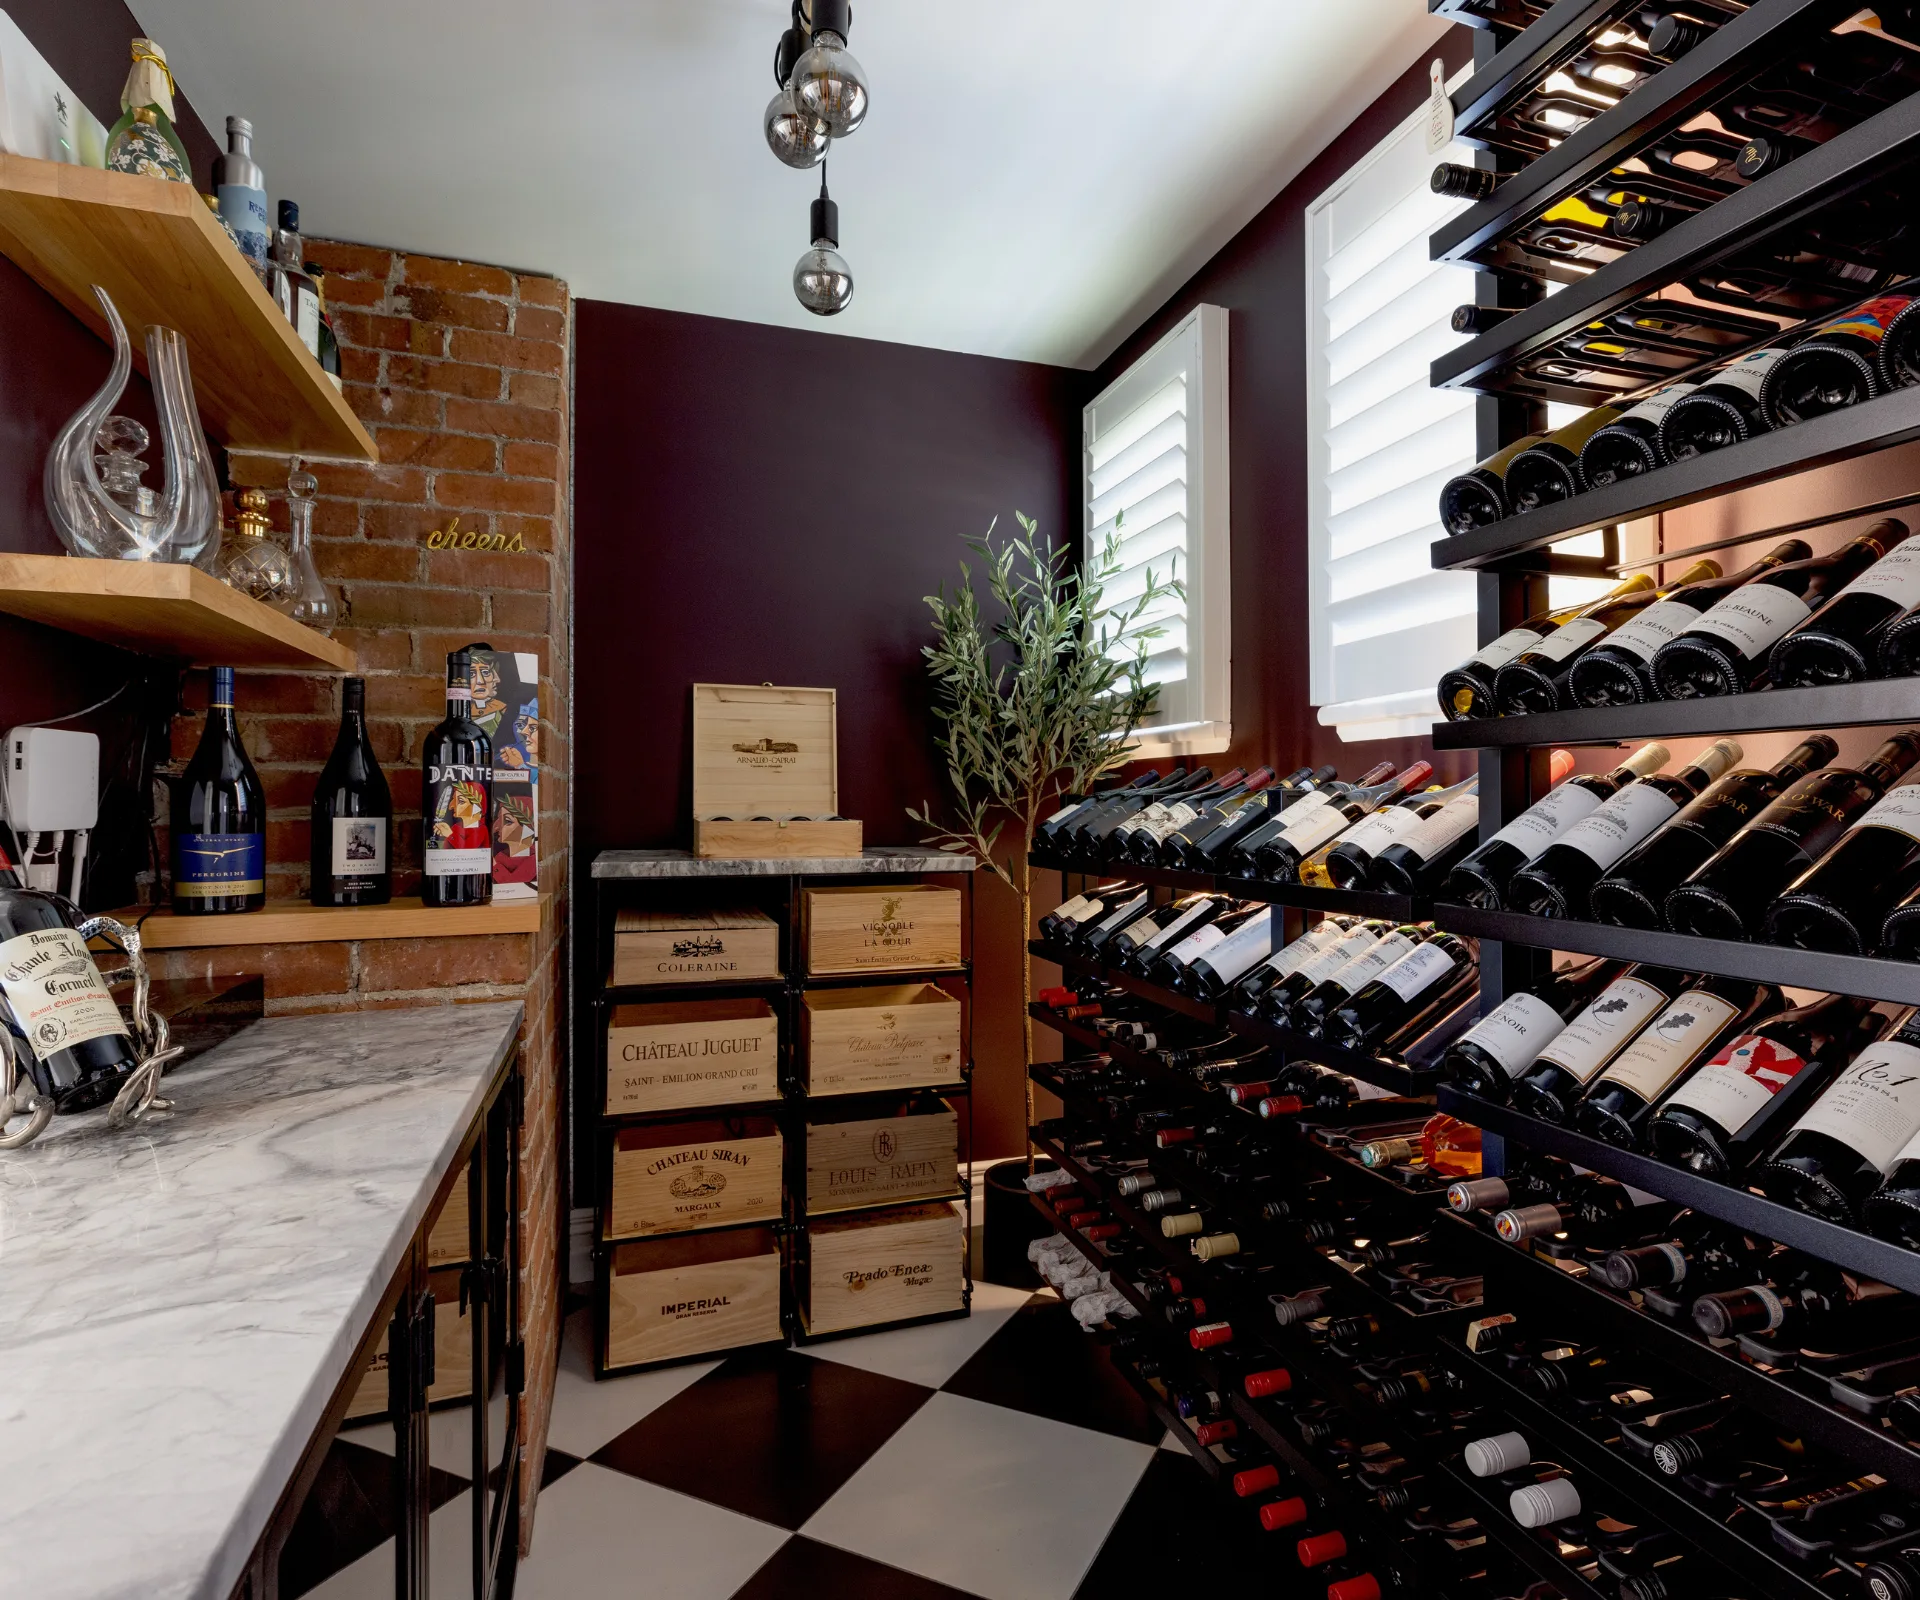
x=242 y=188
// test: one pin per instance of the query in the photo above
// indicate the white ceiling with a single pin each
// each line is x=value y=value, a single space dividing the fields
x=1032 y=179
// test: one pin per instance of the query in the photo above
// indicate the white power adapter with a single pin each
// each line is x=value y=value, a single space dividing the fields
x=52 y=785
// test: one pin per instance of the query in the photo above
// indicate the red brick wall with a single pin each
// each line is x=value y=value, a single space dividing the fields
x=461 y=372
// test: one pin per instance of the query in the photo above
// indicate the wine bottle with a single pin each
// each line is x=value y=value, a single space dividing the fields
x=1086 y=907
x=1213 y=852
x=1842 y=901
x=1631 y=895
x=1836 y=1155
x=1728 y=649
x=1179 y=848
x=1211 y=973
x=1278 y=1001
x=1892 y=1211
x=1722 y=411
x=1117 y=916
x=1281 y=856
x=1630 y=444
x=1419 y=861
x=1617 y=670
x=1283 y=963
x=1557 y=1077
x=1250 y=858
x=219 y=818
x=1478 y=496
x=68 y=1033
x=1350 y=859
x=1840 y=643
x=1557 y=882
x=1310 y=1012
x=1729 y=895
x=1737 y=1105
x=1437 y=966
x=352 y=815
x=1900 y=933
x=1141 y=941
x=1467 y=691
x=1508 y=1039
x=1711 y=1012
x=1702 y=1253
x=456 y=823
x=1815 y=1307
x=1550 y=470
x=1531 y=681
x=1483 y=874
x=1047 y=833
x=1085 y=836
x=1168 y=965
x=1117 y=842
x=1834 y=365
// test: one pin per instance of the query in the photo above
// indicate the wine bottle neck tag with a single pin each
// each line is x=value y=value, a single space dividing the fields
x=1439 y=108
x=1418 y=970
x=1516 y=1031
x=1569 y=637
x=1662 y=1052
x=1458 y=817
x=1738 y=1083
x=1895 y=577
x=1873 y=1107
x=1540 y=824
x=1644 y=633
x=1898 y=809
x=1593 y=1038
x=1610 y=832
x=1514 y=642
x=1751 y=619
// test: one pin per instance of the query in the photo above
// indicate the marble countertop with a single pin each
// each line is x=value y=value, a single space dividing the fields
x=684 y=864
x=179 y=1300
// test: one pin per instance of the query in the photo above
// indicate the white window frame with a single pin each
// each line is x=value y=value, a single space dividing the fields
x=1198 y=716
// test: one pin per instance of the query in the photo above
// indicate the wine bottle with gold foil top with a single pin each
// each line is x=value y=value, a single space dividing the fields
x=1466 y=691
x=1535 y=680
x=1550 y=470
x=1478 y=496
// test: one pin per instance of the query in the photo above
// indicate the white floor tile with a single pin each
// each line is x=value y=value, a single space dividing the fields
x=1006 y=1505
x=586 y=1414
x=1171 y=1441
x=934 y=1352
x=603 y=1534
x=449 y=1562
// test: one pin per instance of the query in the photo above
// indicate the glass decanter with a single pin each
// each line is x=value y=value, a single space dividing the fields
x=255 y=562
x=309 y=598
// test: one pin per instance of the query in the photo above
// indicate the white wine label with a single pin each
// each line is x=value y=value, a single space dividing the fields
x=1540 y=824
x=1197 y=943
x=1569 y=637
x=1353 y=943
x=1898 y=809
x=1142 y=818
x=359 y=847
x=1752 y=618
x=1895 y=575
x=1516 y=1031
x=1119 y=912
x=1671 y=1045
x=1660 y=402
x=1596 y=1036
x=1138 y=933
x=1291 y=958
x=1315 y=829
x=1418 y=970
x=1873 y=1107
x=1645 y=632
x=1910 y=1151
x=1390 y=824
x=1620 y=824
x=1177 y=927
x=1090 y=907
x=1252 y=941
x=1747 y=374
x=1177 y=817
x=1736 y=1085
x=1514 y=642
x=1459 y=816
x=1063 y=813
x=1069 y=910
x=1308 y=803
x=1363 y=969
x=56 y=992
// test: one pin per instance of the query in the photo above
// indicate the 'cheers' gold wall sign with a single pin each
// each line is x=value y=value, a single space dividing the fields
x=454 y=537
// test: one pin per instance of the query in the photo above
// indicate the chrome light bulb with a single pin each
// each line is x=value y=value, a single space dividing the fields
x=797 y=137
x=829 y=84
x=822 y=280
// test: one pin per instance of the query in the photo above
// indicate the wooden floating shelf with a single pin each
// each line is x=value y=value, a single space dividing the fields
x=164 y=609
x=296 y=922
x=164 y=259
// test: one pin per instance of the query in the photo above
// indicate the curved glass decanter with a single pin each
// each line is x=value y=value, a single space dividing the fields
x=308 y=598
x=255 y=562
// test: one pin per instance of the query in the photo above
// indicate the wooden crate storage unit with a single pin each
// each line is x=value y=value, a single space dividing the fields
x=691 y=1053
x=892 y=928
x=766 y=773
x=691 y=1295
x=673 y=947
x=672 y=1177
x=857 y=1159
x=899 y=1036
x=883 y=1266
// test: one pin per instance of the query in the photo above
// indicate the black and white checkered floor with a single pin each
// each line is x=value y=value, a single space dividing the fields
x=1000 y=1456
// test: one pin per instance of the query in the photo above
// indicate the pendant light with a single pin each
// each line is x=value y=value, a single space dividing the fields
x=822 y=280
x=822 y=97
x=827 y=82
x=797 y=137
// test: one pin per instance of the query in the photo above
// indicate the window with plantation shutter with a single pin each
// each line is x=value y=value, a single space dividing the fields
x=1381 y=441
x=1156 y=481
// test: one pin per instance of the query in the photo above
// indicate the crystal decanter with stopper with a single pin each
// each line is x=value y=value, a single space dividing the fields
x=255 y=563
x=308 y=597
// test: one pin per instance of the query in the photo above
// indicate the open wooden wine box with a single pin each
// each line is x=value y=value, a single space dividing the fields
x=766 y=774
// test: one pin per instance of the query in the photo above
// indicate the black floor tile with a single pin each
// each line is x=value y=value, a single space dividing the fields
x=772 y=1434
x=804 y=1570
x=557 y=1465
x=1042 y=1363
x=1177 y=1536
x=348 y=1512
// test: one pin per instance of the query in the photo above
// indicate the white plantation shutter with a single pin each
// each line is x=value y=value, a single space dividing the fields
x=1383 y=624
x=1156 y=479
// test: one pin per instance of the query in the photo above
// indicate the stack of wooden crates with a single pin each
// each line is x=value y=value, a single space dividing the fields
x=784 y=1042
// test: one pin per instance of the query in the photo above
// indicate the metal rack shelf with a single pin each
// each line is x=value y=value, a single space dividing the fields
x=1300 y=896
x=1392 y=1076
x=1166 y=999
x=1853 y=705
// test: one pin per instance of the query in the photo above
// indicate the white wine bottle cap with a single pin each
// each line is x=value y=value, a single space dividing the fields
x=1216 y=1246
x=1534 y=1505
x=1723 y=755
x=1648 y=759
x=1178 y=1226
x=1502 y=1452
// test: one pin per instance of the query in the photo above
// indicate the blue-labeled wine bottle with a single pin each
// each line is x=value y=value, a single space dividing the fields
x=219 y=818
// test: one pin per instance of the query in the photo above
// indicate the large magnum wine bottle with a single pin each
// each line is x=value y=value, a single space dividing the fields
x=1728 y=896
x=1835 y=365
x=1722 y=411
x=1550 y=470
x=1531 y=681
x=1557 y=882
x=1758 y=1084
x=73 y=1041
x=1633 y=893
x=1710 y=1012
x=219 y=818
x=1478 y=496
x=1841 y=901
x=1486 y=1059
x=1558 y=1076
x=456 y=802
x=1840 y=643
x=352 y=816
x=1397 y=994
x=1838 y=1152
x=1467 y=690
x=1618 y=670
x=1419 y=862
x=1630 y=444
x=1727 y=650
x=1482 y=877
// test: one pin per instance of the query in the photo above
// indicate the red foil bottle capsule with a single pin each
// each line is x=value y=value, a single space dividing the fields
x=1245 y=1093
x=1102 y=1230
x=1077 y=1013
x=1209 y=1334
x=1056 y=996
x=1281 y=1105
x=1278 y=1514
x=1172 y=1136
x=1317 y=1549
x=1215 y=1432
x=1364 y=1587
x=1254 y=1480
x=1274 y=1380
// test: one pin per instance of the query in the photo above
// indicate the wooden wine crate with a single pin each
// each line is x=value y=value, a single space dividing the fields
x=694 y=946
x=692 y=1293
x=883 y=1267
x=691 y=1053
x=766 y=780
x=903 y=927
x=913 y=1154
x=447 y=1237
x=668 y=1178
x=900 y=1036
x=452 y=1353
